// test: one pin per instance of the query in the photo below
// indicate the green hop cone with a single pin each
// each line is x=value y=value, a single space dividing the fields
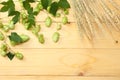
x=36 y=11
x=56 y=37
x=59 y=26
x=48 y=8
x=64 y=20
x=3 y=47
x=19 y=55
x=48 y=22
x=58 y=14
x=24 y=37
x=1 y=36
x=13 y=43
x=41 y=38
x=26 y=26
x=23 y=15
x=11 y=25
x=3 y=53
x=36 y=29
x=6 y=28
x=66 y=12
x=38 y=8
x=1 y=25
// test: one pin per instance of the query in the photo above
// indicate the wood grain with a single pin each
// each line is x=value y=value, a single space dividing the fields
x=71 y=57
x=89 y=62
x=56 y=78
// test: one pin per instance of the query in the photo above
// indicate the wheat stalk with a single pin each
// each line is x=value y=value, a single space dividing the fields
x=87 y=12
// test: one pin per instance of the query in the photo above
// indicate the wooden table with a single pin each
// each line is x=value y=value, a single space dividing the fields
x=72 y=58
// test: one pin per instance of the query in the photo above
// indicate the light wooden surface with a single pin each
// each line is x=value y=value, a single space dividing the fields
x=56 y=78
x=89 y=62
x=69 y=59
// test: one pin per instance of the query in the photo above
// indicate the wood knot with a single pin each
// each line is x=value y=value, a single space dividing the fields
x=81 y=74
x=116 y=41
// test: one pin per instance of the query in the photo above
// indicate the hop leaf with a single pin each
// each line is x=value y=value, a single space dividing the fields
x=54 y=7
x=64 y=4
x=15 y=37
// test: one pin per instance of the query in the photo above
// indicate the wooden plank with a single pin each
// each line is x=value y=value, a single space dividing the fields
x=87 y=62
x=71 y=56
x=56 y=78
